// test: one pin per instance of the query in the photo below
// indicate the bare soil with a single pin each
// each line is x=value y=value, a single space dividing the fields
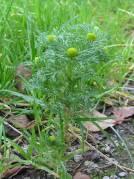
x=118 y=147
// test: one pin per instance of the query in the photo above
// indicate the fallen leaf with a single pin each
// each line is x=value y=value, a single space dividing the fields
x=103 y=124
x=21 y=121
x=121 y=114
x=22 y=72
x=10 y=132
x=14 y=171
x=80 y=175
x=31 y=125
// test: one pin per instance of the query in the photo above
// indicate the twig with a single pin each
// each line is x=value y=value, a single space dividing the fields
x=105 y=166
x=16 y=130
x=127 y=12
x=129 y=89
x=119 y=45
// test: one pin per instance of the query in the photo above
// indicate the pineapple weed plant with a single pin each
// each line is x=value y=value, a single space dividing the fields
x=66 y=78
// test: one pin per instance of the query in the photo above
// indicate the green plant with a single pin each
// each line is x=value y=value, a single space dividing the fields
x=91 y=36
x=50 y=96
x=62 y=82
x=66 y=87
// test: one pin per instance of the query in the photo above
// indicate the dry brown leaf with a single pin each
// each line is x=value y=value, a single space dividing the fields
x=31 y=125
x=14 y=171
x=21 y=121
x=111 y=83
x=80 y=175
x=11 y=133
x=123 y=113
x=120 y=114
x=22 y=71
x=103 y=123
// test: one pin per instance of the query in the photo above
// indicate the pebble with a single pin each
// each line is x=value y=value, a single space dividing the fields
x=114 y=177
x=92 y=156
x=49 y=176
x=90 y=166
x=106 y=177
x=78 y=158
x=122 y=174
x=98 y=137
x=73 y=148
x=88 y=163
x=112 y=160
x=80 y=175
x=116 y=142
x=107 y=149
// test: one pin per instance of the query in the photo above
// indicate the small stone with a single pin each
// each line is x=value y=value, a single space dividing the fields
x=90 y=170
x=78 y=158
x=72 y=148
x=122 y=174
x=116 y=143
x=94 y=166
x=90 y=166
x=107 y=149
x=92 y=156
x=88 y=163
x=106 y=177
x=49 y=176
x=114 y=177
x=98 y=137
x=80 y=175
x=25 y=147
x=113 y=161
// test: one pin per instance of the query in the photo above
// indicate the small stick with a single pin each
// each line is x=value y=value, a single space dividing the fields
x=119 y=45
x=16 y=130
x=127 y=12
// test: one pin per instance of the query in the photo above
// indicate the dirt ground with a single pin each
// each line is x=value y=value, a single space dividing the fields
x=118 y=147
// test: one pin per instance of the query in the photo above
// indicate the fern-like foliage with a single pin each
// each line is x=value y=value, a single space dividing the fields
x=65 y=82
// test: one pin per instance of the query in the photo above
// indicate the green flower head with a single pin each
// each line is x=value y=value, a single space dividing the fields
x=36 y=60
x=91 y=37
x=72 y=52
x=52 y=138
x=51 y=38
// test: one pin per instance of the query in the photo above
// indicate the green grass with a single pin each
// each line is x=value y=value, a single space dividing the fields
x=24 y=26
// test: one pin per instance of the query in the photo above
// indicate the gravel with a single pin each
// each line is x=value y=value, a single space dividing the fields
x=78 y=158
x=122 y=174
